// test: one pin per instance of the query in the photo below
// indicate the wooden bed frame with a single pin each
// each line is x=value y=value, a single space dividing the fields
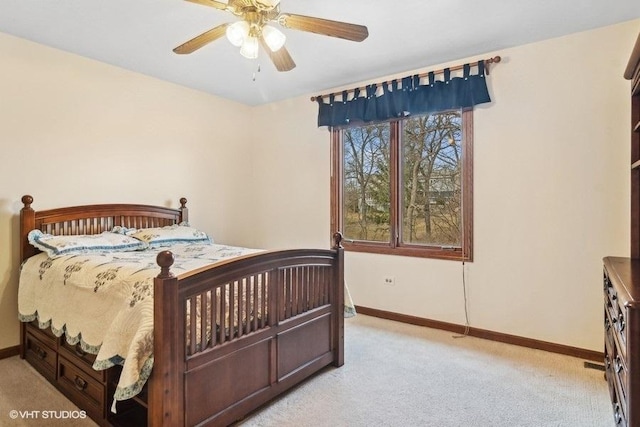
x=219 y=380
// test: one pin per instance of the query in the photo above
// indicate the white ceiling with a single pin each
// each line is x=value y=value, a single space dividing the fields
x=139 y=35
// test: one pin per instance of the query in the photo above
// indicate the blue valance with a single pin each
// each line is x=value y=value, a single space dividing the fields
x=410 y=96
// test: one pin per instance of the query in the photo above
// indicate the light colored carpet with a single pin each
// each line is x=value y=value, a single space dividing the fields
x=404 y=375
x=27 y=399
x=395 y=375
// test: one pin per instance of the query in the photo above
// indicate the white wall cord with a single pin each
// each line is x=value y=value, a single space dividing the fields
x=466 y=305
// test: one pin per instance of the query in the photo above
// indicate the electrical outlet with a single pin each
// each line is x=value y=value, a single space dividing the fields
x=389 y=280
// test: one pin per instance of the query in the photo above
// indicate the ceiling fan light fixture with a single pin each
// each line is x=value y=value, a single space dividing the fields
x=273 y=37
x=250 y=31
x=249 y=47
x=238 y=32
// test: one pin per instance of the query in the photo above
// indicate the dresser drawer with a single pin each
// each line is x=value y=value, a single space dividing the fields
x=41 y=356
x=84 y=390
x=615 y=323
x=620 y=327
x=608 y=286
x=620 y=376
x=81 y=359
x=617 y=403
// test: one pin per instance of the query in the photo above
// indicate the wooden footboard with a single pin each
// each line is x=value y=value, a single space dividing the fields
x=232 y=359
x=227 y=338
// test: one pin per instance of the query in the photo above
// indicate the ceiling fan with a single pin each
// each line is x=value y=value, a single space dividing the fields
x=253 y=30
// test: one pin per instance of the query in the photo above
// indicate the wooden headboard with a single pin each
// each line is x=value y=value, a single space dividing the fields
x=93 y=219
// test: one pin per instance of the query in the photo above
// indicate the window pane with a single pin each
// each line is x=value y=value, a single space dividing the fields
x=366 y=198
x=431 y=174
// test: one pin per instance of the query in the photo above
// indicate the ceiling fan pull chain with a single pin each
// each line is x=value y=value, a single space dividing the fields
x=254 y=73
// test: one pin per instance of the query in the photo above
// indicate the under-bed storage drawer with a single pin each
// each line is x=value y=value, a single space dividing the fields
x=44 y=335
x=81 y=359
x=81 y=388
x=41 y=356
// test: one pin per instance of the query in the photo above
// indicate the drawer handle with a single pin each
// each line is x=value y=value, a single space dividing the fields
x=618 y=365
x=80 y=383
x=617 y=415
x=79 y=351
x=41 y=353
x=621 y=323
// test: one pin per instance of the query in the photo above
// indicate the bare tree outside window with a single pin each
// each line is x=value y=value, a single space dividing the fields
x=366 y=183
x=432 y=148
x=401 y=185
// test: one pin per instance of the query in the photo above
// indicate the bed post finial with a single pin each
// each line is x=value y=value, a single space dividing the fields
x=27 y=200
x=337 y=240
x=184 y=211
x=165 y=261
x=27 y=223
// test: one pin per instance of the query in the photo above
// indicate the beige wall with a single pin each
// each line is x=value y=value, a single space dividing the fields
x=551 y=177
x=76 y=131
x=551 y=195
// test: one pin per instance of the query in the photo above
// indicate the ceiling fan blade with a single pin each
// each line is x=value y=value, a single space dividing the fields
x=343 y=30
x=211 y=3
x=201 y=40
x=280 y=58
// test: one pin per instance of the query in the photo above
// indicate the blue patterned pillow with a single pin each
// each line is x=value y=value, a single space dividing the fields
x=56 y=246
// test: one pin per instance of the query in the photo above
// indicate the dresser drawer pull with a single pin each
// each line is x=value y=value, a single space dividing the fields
x=616 y=414
x=79 y=351
x=80 y=383
x=618 y=364
x=41 y=353
x=621 y=323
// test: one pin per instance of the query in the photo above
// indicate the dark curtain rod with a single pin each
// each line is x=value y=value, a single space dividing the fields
x=493 y=60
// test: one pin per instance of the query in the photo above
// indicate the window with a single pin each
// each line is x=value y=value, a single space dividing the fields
x=404 y=187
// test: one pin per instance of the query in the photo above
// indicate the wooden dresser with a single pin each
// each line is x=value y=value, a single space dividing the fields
x=622 y=337
x=622 y=287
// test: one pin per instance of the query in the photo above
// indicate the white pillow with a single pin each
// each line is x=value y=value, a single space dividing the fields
x=56 y=246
